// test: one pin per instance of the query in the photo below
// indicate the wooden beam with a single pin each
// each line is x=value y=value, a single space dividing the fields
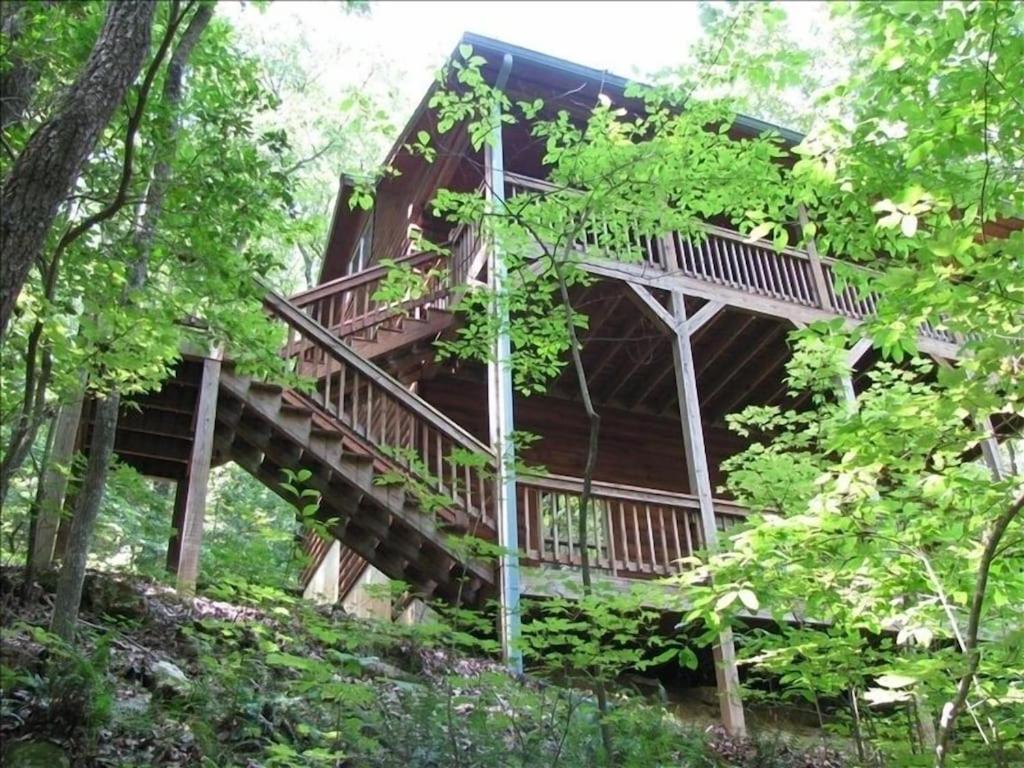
x=703 y=316
x=194 y=486
x=857 y=352
x=614 y=349
x=627 y=376
x=734 y=402
x=726 y=673
x=752 y=352
x=651 y=307
x=734 y=297
x=720 y=348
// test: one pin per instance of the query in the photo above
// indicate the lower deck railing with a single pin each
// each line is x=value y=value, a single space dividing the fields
x=632 y=532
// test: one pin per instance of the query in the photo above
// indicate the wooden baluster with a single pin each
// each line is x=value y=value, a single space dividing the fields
x=806 y=295
x=357 y=386
x=740 y=263
x=650 y=537
x=610 y=527
x=625 y=539
x=340 y=413
x=636 y=535
x=713 y=245
x=527 y=521
x=800 y=286
x=570 y=529
x=481 y=510
x=424 y=444
x=790 y=277
x=773 y=265
x=730 y=263
x=369 y=409
x=685 y=256
x=707 y=265
x=762 y=276
x=688 y=260
x=329 y=361
x=664 y=539
x=678 y=551
x=438 y=466
x=694 y=534
x=556 y=546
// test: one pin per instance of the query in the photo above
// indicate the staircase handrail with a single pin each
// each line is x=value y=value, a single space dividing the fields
x=354 y=280
x=313 y=331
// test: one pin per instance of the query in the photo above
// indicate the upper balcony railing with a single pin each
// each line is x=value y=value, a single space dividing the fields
x=727 y=260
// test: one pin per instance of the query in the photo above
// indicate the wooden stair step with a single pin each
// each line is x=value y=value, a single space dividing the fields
x=265 y=386
x=290 y=409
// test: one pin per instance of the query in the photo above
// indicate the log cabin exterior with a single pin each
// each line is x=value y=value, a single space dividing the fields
x=695 y=331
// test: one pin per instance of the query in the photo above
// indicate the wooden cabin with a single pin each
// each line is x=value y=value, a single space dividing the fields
x=695 y=331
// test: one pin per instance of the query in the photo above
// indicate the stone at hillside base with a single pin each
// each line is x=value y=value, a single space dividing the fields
x=169 y=679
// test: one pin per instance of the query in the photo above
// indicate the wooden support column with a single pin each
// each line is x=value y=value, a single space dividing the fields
x=990 y=451
x=846 y=390
x=817 y=270
x=323 y=584
x=55 y=483
x=190 y=500
x=726 y=673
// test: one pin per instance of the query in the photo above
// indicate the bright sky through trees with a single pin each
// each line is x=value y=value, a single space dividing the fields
x=626 y=38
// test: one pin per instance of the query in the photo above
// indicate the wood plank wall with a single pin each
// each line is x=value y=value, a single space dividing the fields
x=635 y=449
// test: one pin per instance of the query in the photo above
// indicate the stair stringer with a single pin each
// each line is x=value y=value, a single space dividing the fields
x=264 y=433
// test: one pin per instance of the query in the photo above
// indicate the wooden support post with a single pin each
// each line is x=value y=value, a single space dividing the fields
x=323 y=584
x=55 y=483
x=191 y=496
x=817 y=270
x=846 y=390
x=990 y=450
x=177 y=523
x=726 y=673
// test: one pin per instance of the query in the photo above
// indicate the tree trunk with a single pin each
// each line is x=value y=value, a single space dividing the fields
x=947 y=722
x=69 y=593
x=72 y=573
x=18 y=79
x=52 y=159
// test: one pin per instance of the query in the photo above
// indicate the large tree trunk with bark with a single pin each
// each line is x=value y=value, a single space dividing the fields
x=69 y=593
x=51 y=161
x=72 y=573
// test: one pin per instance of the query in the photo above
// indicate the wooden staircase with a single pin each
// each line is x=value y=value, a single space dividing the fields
x=349 y=307
x=390 y=469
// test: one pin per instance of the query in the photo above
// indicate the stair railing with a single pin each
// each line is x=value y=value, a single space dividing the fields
x=403 y=430
x=348 y=307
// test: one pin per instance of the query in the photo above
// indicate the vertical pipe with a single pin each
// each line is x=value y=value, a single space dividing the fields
x=500 y=401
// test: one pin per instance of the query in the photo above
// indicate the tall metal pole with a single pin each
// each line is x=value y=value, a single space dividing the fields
x=499 y=391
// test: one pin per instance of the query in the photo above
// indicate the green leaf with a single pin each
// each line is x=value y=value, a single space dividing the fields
x=749 y=599
x=760 y=231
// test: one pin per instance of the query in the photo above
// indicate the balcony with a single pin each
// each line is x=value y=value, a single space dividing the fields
x=725 y=266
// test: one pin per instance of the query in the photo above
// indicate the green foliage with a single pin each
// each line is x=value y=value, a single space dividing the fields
x=73 y=686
